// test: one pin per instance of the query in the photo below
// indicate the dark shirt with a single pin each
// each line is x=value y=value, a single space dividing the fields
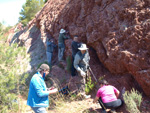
x=75 y=46
x=62 y=37
x=50 y=46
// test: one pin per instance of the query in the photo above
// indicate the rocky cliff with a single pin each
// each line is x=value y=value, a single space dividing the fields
x=116 y=31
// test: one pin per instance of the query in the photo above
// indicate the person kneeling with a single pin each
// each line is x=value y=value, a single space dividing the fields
x=107 y=95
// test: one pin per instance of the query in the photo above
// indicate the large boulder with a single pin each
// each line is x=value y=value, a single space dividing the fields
x=117 y=30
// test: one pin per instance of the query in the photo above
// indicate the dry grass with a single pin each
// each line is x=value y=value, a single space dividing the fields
x=74 y=106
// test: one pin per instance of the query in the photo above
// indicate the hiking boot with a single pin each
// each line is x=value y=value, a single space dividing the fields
x=103 y=111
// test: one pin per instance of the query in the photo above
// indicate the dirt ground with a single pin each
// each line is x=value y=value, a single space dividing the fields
x=84 y=106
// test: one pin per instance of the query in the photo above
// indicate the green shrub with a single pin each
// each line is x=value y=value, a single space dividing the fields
x=133 y=101
x=69 y=63
x=29 y=9
x=13 y=67
x=3 y=31
x=89 y=85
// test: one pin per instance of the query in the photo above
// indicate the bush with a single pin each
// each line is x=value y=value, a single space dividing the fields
x=133 y=101
x=69 y=63
x=3 y=31
x=13 y=66
x=89 y=85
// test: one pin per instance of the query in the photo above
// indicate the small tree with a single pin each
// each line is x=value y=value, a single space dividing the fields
x=13 y=66
x=29 y=9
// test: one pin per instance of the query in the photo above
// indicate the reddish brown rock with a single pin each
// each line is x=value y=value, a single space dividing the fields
x=117 y=30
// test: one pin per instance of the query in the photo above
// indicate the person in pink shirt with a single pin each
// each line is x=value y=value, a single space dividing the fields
x=107 y=95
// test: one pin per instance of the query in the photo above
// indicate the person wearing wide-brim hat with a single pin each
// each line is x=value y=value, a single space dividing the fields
x=81 y=63
x=61 y=44
x=38 y=92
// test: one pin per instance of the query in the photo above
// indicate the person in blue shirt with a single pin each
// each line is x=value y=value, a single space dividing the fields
x=38 y=92
x=49 y=50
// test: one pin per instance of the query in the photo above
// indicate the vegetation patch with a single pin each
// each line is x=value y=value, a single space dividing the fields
x=72 y=103
x=89 y=85
x=133 y=101
x=13 y=68
x=69 y=63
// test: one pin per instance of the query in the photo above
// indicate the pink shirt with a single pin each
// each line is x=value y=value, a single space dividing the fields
x=107 y=93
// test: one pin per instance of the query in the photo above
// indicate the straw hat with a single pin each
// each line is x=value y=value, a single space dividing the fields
x=83 y=47
x=62 y=31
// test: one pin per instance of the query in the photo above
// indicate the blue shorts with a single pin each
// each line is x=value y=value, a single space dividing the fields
x=39 y=109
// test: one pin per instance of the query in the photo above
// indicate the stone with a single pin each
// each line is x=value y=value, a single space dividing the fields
x=120 y=41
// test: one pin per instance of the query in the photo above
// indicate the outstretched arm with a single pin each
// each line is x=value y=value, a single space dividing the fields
x=64 y=36
x=53 y=91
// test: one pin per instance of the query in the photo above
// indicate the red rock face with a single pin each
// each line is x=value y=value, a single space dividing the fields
x=117 y=30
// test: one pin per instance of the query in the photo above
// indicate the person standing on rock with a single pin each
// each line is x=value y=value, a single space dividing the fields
x=81 y=63
x=61 y=44
x=49 y=50
x=38 y=93
x=107 y=95
x=75 y=45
